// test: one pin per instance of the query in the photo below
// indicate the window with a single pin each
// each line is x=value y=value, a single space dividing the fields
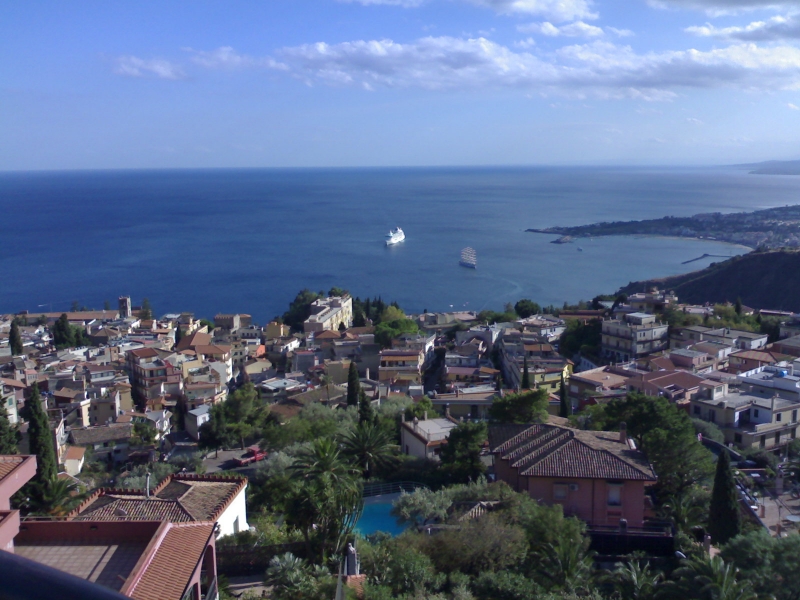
x=778 y=417
x=560 y=491
x=755 y=412
x=614 y=494
x=763 y=442
x=777 y=437
x=737 y=438
x=794 y=416
x=697 y=410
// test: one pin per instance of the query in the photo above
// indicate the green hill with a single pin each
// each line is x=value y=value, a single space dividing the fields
x=769 y=280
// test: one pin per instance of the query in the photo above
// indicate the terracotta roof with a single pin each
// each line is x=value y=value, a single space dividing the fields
x=13 y=383
x=101 y=433
x=195 y=339
x=75 y=453
x=179 y=498
x=8 y=463
x=556 y=451
x=327 y=335
x=212 y=349
x=170 y=568
x=144 y=352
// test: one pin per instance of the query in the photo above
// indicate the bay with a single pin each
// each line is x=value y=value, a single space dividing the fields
x=212 y=241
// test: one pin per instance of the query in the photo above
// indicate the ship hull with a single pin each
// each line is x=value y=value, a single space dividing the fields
x=468 y=265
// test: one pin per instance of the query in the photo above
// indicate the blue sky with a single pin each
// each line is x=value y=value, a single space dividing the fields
x=275 y=83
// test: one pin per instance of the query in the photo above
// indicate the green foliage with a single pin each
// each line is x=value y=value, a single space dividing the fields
x=710 y=431
x=771 y=565
x=706 y=579
x=423 y=506
x=725 y=520
x=526 y=376
x=583 y=338
x=137 y=477
x=353 y=385
x=564 y=405
x=491 y=317
x=505 y=585
x=665 y=434
x=524 y=407
x=419 y=409
x=66 y=335
x=369 y=446
x=40 y=438
x=294 y=579
x=15 y=339
x=214 y=433
x=366 y=413
x=300 y=309
x=526 y=308
x=143 y=434
x=393 y=323
x=9 y=434
x=146 y=311
x=461 y=455
x=635 y=581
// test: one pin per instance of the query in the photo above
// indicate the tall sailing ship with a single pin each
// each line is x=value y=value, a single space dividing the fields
x=469 y=258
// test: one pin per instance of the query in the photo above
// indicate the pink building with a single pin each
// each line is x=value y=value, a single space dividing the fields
x=597 y=476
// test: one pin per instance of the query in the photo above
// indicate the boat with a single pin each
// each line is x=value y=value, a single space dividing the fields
x=580 y=249
x=395 y=236
x=469 y=258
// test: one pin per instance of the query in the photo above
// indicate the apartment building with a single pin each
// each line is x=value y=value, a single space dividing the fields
x=329 y=314
x=632 y=337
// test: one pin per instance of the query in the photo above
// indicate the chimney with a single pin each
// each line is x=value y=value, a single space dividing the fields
x=772 y=405
x=623 y=433
x=425 y=416
x=147 y=485
x=402 y=417
x=416 y=424
x=367 y=373
x=447 y=410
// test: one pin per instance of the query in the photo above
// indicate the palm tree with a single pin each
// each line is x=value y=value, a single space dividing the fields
x=706 y=579
x=567 y=565
x=326 y=381
x=636 y=582
x=58 y=497
x=369 y=446
x=683 y=512
x=323 y=461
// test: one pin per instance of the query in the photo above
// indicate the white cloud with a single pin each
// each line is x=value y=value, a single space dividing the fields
x=793 y=106
x=694 y=121
x=226 y=57
x=133 y=66
x=526 y=43
x=557 y=10
x=724 y=7
x=601 y=69
x=776 y=28
x=620 y=32
x=576 y=29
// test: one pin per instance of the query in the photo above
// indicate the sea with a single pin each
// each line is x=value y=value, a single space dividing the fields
x=246 y=241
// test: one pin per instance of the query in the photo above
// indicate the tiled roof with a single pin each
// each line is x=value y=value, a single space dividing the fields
x=179 y=498
x=555 y=451
x=101 y=433
x=171 y=567
x=8 y=463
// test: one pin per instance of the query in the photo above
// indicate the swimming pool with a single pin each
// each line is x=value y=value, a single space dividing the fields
x=376 y=517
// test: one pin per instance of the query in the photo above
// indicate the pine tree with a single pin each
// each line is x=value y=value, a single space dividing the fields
x=178 y=335
x=353 y=385
x=146 y=311
x=724 y=518
x=565 y=409
x=526 y=378
x=366 y=414
x=41 y=439
x=15 y=339
x=8 y=433
x=738 y=306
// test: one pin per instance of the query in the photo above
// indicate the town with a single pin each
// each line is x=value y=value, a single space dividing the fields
x=617 y=448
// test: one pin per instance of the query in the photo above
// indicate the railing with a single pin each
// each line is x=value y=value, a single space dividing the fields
x=23 y=579
x=381 y=489
x=212 y=593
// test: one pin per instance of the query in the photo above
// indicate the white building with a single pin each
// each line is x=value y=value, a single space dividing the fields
x=425 y=438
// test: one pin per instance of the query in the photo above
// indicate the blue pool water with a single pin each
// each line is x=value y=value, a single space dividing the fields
x=376 y=517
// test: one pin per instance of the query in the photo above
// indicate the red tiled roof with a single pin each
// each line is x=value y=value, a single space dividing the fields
x=168 y=571
x=144 y=352
x=555 y=451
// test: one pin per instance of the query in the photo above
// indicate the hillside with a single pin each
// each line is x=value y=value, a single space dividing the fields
x=773 y=167
x=768 y=279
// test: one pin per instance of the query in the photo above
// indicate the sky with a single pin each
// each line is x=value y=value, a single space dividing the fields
x=326 y=83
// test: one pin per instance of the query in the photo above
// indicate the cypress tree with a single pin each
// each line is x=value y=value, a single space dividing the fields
x=724 y=518
x=738 y=307
x=366 y=414
x=41 y=439
x=8 y=433
x=353 y=385
x=178 y=335
x=15 y=339
x=146 y=311
x=564 y=409
x=526 y=378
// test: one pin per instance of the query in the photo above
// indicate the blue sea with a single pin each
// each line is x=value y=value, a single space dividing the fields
x=246 y=241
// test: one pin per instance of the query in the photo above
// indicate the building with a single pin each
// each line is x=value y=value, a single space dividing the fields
x=148 y=559
x=743 y=340
x=634 y=336
x=329 y=314
x=597 y=476
x=401 y=367
x=677 y=386
x=602 y=383
x=125 y=310
x=653 y=301
x=425 y=437
x=748 y=420
x=151 y=376
x=195 y=418
x=179 y=498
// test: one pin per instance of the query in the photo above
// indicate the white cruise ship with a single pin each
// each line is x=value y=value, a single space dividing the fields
x=395 y=236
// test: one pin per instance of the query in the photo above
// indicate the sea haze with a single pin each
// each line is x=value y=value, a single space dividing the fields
x=247 y=240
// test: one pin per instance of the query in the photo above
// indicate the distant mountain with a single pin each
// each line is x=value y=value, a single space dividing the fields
x=769 y=280
x=773 y=167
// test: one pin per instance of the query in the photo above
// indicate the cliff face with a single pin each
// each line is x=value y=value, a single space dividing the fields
x=769 y=280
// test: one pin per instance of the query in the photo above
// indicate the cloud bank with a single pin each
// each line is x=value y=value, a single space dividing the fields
x=132 y=66
x=557 y=10
x=774 y=29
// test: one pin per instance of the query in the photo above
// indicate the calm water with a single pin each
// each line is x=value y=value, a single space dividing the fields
x=377 y=517
x=248 y=240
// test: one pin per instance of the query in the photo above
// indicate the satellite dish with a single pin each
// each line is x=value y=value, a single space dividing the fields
x=120 y=512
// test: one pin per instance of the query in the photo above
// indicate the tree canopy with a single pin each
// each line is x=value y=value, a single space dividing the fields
x=524 y=407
